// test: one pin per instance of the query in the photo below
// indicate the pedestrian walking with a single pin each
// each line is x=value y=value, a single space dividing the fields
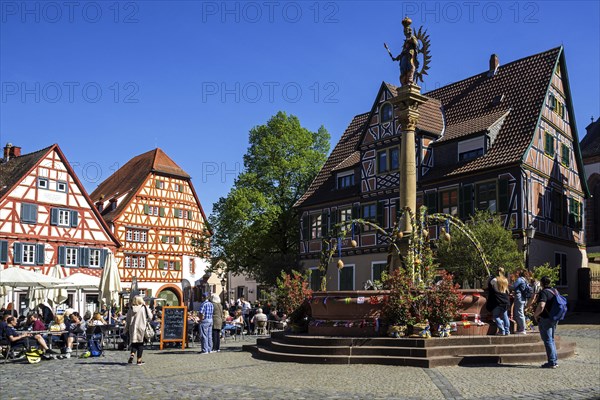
x=206 y=324
x=546 y=325
x=138 y=316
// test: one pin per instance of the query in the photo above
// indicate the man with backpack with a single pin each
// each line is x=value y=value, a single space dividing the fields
x=551 y=308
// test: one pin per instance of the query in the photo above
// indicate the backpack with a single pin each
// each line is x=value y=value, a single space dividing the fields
x=95 y=345
x=526 y=290
x=559 y=307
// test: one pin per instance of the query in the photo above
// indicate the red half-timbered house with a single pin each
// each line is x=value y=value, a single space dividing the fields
x=504 y=140
x=152 y=208
x=47 y=218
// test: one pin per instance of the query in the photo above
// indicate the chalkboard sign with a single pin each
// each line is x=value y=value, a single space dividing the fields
x=173 y=327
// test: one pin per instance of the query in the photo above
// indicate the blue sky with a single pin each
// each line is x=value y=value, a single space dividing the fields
x=109 y=80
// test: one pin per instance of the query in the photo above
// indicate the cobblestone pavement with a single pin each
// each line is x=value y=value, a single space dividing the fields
x=233 y=374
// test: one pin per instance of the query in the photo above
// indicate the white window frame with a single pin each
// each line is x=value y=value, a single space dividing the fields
x=343 y=175
x=353 y=276
x=43 y=183
x=95 y=255
x=142 y=262
x=71 y=254
x=28 y=254
x=59 y=184
x=127 y=261
x=143 y=236
x=129 y=235
x=316 y=226
x=64 y=217
x=373 y=268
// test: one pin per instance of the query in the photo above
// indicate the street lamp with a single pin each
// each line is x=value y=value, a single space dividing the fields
x=223 y=288
x=529 y=235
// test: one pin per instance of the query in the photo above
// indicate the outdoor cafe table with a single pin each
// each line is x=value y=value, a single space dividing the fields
x=46 y=332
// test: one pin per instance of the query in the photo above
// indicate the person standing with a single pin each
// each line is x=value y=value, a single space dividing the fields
x=217 y=322
x=206 y=323
x=498 y=291
x=520 y=288
x=138 y=316
x=546 y=325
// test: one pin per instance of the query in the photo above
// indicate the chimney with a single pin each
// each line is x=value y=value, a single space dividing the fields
x=11 y=151
x=494 y=64
x=112 y=205
x=99 y=206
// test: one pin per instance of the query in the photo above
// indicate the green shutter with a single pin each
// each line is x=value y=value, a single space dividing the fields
x=503 y=195
x=190 y=215
x=177 y=265
x=305 y=227
x=380 y=214
x=161 y=211
x=146 y=209
x=324 y=223
x=176 y=212
x=466 y=201
x=430 y=200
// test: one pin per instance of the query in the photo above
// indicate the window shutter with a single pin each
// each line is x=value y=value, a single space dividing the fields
x=40 y=254
x=103 y=255
x=161 y=211
x=62 y=256
x=146 y=209
x=18 y=253
x=430 y=199
x=355 y=215
x=466 y=201
x=163 y=239
x=305 y=227
x=177 y=265
x=333 y=219
x=74 y=218
x=176 y=212
x=503 y=195
x=33 y=213
x=180 y=188
x=177 y=239
x=324 y=223
x=397 y=205
x=380 y=214
x=3 y=251
x=54 y=216
x=161 y=264
x=190 y=215
x=84 y=256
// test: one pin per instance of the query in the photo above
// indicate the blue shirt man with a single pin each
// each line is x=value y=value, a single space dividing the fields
x=206 y=311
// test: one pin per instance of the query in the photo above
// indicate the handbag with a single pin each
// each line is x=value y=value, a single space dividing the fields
x=149 y=332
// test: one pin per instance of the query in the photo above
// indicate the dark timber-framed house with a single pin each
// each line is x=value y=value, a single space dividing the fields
x=504 y=140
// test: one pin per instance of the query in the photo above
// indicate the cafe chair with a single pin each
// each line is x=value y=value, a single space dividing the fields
x=10 y=351
x=261 y=327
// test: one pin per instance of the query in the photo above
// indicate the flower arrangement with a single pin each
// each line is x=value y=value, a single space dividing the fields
x=292 y=290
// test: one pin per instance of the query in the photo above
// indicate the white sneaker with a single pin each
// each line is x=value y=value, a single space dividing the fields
x=521 y=333
x=68 y=355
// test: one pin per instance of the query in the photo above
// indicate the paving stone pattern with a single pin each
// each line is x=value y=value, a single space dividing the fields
x=233 y=374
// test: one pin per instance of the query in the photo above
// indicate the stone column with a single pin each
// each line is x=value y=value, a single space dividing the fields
x=406 y=105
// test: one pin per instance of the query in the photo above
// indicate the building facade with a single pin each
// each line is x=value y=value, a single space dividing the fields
x=48 y=219
x=151 y=206
x=590 y=149
x=504 y=140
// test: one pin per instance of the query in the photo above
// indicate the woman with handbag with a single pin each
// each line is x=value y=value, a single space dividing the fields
x=136 y=324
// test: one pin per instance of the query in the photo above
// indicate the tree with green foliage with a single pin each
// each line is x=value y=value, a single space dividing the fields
x=458 y=256
x=255 y=226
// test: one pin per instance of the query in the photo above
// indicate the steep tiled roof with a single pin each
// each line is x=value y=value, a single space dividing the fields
x=516 y=92
x=474 y=125
x=12 y=171
x=127 y=180
x=350 y=161
x=521 y=85
x=431 y=118
x=319 y=189
x=590 y=144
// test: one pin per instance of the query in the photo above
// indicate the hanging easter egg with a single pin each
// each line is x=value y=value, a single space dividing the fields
x=353 y=243
x=417 y=261
x=442 y=231
x=426 y=233
x=447 y=237
x=340 y=264
x=399 y=235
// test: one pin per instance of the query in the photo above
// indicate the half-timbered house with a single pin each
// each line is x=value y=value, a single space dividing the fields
x=47 y=218
x=590 y=149
x=153 y=209
x=504 y=140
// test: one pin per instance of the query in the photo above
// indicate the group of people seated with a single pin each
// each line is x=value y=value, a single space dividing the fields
x=61 y=330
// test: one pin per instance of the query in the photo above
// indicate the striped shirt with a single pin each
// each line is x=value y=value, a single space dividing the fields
x=207 y=309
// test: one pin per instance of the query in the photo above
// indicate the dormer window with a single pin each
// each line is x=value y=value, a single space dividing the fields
x=471 y=148
x=345 y=179
x=387 y=112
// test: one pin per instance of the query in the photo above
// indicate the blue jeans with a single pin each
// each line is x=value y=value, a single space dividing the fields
x=547 y=329
x=520 y=313
x=501 y=318
x=206 y=335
